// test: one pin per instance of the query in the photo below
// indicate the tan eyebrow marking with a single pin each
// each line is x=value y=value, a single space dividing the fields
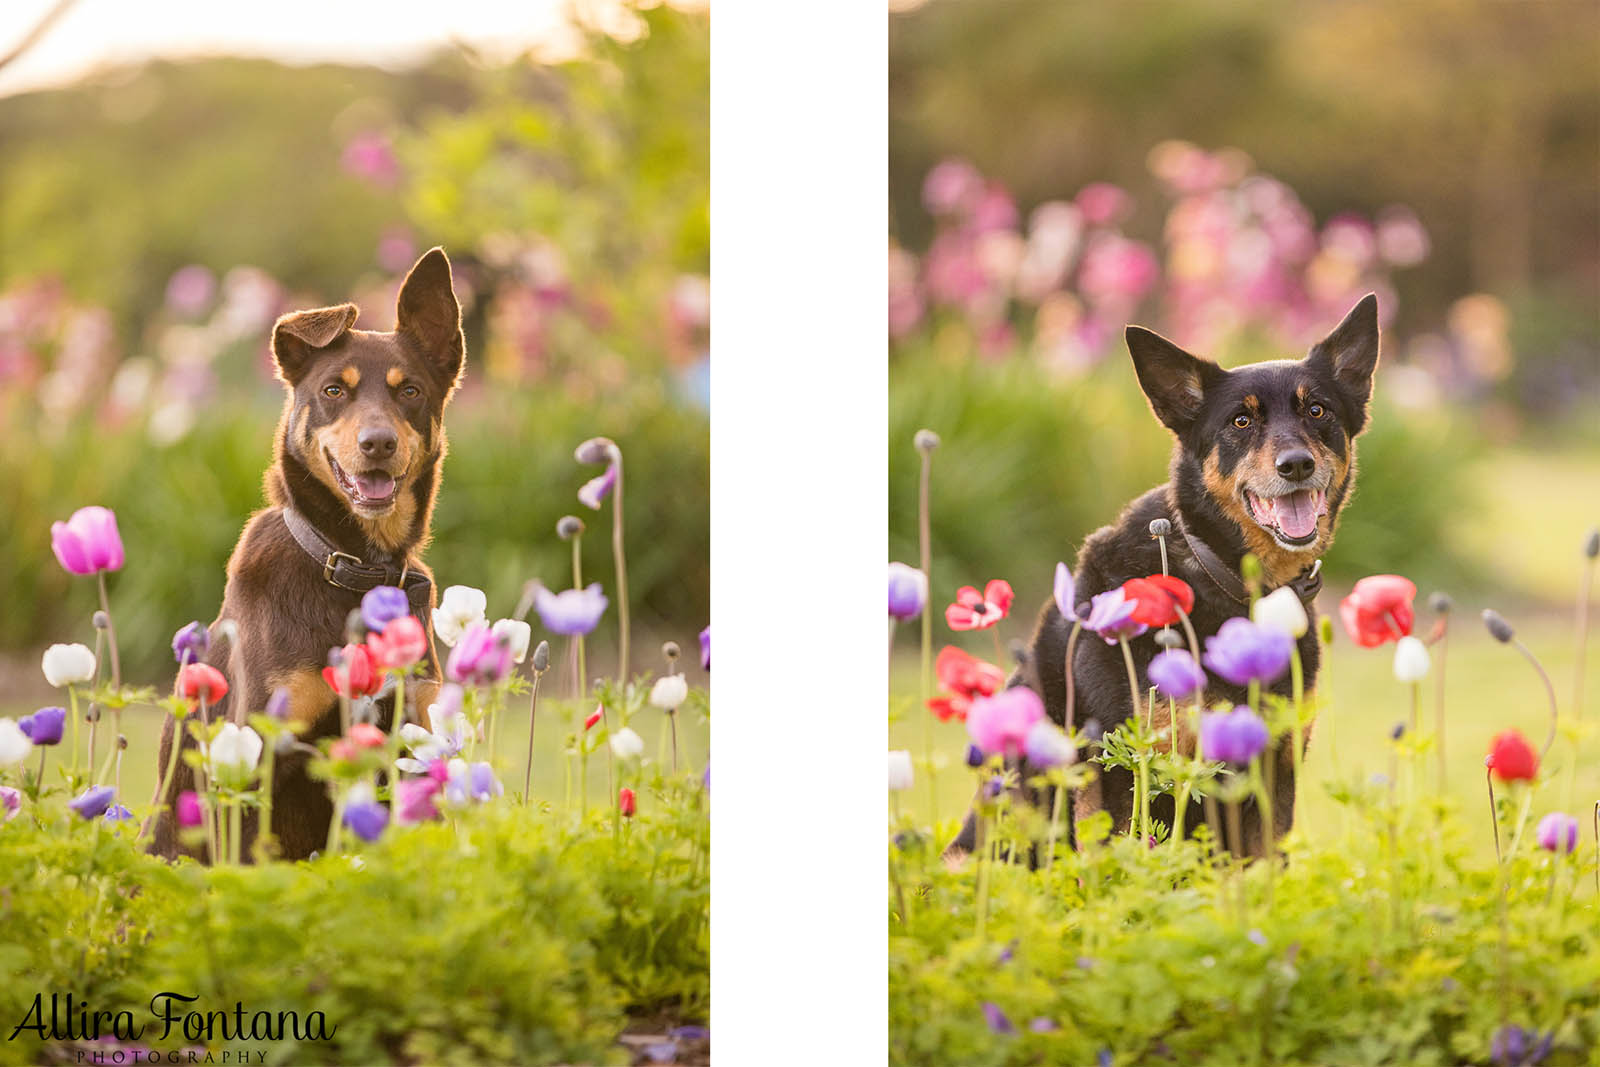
x=1253 y=403
x=351 y=377
x=1302 y=393
x=394 y=377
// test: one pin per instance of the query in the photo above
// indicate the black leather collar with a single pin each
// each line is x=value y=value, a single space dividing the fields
x=345 y=571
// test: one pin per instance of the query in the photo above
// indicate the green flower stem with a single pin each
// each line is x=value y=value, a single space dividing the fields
x=583 y=778
x=1264 y=802
x=237 y=830
x=672 y=718
x=1180 y=809
x=399 y=705
x=1438 y=702
x=1522 y=819
x=264 y=820
x=533 y=711
x=72 y=703
x=111 y=634
x=582 y=685
x=1494 y=820
x=1141 y=801
x=38 y=779
x=1297 y=682
x=1214 y=821
x=983 y=874
x=622 y=570
x=925 y=547
x=1072 y=645
x=333 y=824
x=1235 y=828
x=1055 y=825
x=166 y=777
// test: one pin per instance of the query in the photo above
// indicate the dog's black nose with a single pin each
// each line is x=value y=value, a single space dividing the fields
x=1295 y=464
x=379 y=442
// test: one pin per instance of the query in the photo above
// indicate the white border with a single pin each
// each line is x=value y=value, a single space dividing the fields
x=798 y=526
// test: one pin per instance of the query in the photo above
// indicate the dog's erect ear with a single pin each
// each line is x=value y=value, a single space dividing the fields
x=297 y=336
x=1350 y=354
x=1175 y=381
x=427 y=310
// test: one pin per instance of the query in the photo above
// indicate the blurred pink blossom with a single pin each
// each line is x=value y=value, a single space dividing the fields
x=190 y=290
x=370 y=157
x=950 y=187
x=1103 y=203
x=994 y=210
x=396 y=250
x=1402 y=242
x=1117 y=270
x=1351 y=238
x=952 y=273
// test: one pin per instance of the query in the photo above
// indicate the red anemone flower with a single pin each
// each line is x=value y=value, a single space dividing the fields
x=1511 y=758
x=1158 y=598
x=355 y=671
x=1378 y=609
x=366 y=735
x=594 y=717
x=979 y=611
x=198 y=680
x=626 y=803
x=967 y=678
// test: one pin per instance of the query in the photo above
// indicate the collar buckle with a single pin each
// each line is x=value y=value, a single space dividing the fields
x=330 y=564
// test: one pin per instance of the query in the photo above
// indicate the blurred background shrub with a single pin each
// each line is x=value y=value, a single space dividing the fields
x=1238 y=176
x=155 y=219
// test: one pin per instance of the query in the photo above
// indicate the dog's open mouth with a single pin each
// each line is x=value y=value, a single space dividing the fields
x=370 y=490
x=1292 y=517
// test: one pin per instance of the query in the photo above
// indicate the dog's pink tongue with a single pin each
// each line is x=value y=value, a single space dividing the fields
x=375 y=485
x=1296 y=515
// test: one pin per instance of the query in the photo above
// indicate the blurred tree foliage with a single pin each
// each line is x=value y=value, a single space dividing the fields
x=1484 y=117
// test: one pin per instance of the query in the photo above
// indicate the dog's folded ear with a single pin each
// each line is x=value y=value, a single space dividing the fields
x=297 y=336
x=1350 y=354
x=428 y=312
x=1173 y=380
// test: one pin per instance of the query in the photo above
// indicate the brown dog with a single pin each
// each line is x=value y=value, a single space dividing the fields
x=350 y=494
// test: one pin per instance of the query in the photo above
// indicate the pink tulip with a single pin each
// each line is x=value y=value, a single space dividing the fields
x=88 y=542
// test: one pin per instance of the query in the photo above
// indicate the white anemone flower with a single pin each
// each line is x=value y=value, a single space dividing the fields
x=15 y=746
x=68 y=665
x=517 y=633
x=1411 y=659
x=669 y=692
x=1281 y=610
x=426 y=746
x=626 y=744
x=900 y=773
x=459 y=608
x=232 y=757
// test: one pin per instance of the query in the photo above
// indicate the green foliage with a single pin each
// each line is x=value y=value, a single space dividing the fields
x=1030 y=465
x=1390 y=943
x=502 y=939
x=508 y=478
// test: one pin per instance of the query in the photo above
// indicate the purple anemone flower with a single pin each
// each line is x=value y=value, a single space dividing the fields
x=1558 y=832
x=382 y=605
x=1242 y=652
x=1042 y=1025
x=1510 y=1046
x=10 y=802
x=44 y=726
x=975 y=755
x=1047 y=745
x=598 y=488
x=118 y=813
x=1065 y=590
x=705 y=648
x=1176 y=674
x=1111 y=616
x=190 y=643
x=997 y=1019
x=1236 y=736
x=278 y=704
x=908 y=591
x=366 y=819
x=572 y=612
x=92 y=803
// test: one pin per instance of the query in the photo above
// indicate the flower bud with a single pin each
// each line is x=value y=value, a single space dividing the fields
x=101 y=620
x=1250 y=568
x=926 y=441
x=1591 y=547
x=900 y=773
x=122 y=742
x=568 y=527
x=974 y=756
x=1160 y=527
x=1398 y=732
x=1440 y=603
x=1325 y=629
x=1168 y=639
x=541 y=657
x=670 y=650
x=1411 y=659
x=1499 y=629
x=92 y=713
x=596 y=450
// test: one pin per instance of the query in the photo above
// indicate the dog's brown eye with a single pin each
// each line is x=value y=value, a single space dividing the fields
x=333 y=392
x=1316 y=411
x=409 y=391
x=1242 y=421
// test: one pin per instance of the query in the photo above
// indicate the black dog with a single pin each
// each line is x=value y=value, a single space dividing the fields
x=1264 y=461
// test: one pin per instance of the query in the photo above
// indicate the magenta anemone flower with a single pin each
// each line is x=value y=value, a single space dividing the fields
x=413 y=800
x=705 y=648
x=88 y=542
x=191 y=642
x=1176 y=674
x=908 y=591
x=44 y=726
x=999 y=724
x=1242 y=652
x=190 y=814
x=1111 y=616
x=1236 y=736
x=382 y=605
x=92 y=803
x=481 y=657
x=10 y=802
x=572 y=612
x=1558 y=832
